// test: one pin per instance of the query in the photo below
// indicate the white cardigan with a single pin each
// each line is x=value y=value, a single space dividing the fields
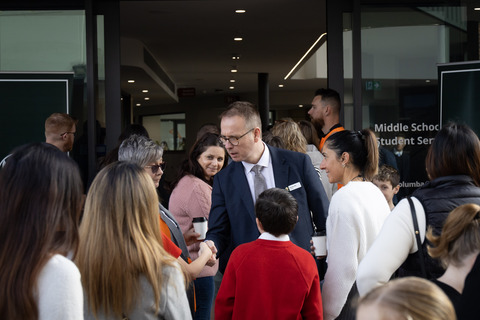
x=355 y=217
x=394 y=243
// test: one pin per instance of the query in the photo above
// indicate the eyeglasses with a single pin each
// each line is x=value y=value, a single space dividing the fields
x=68 y=132
x=233 y=140
x=155 y=167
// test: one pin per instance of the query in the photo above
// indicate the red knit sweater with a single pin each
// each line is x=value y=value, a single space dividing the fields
x=268 y=279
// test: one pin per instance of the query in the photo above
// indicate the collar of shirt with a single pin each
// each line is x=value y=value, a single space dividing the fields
x=267 y=172
x=398 y=153
x=338 y=125
x=269 y=236
x=264 y=160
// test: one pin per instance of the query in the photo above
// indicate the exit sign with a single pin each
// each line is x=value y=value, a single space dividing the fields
x=372 y=85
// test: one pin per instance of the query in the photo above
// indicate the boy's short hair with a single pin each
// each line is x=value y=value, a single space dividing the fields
x=388 y=173
x=277 y=211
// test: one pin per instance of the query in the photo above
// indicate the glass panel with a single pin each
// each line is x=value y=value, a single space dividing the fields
x=167 y=130
x=401 y=48
x=348 y=122
x=100 y=103
x=101 y=47
x=42 y=44
x=42 y=40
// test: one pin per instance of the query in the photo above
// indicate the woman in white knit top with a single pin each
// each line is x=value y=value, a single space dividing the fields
x=355 y=216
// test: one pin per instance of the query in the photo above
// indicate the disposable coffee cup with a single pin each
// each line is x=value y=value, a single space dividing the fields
x=200 y=225
x=320 y=243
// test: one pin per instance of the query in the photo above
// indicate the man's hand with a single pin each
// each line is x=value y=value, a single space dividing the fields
x=211 y=245
x=204 y=248
x=213 y=259
x=191 y=236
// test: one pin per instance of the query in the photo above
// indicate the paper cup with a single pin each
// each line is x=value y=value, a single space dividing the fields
x=200 y=225
x=320 y=243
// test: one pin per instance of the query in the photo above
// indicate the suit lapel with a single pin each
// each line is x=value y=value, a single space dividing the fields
x=280 y=168
x=242 y=188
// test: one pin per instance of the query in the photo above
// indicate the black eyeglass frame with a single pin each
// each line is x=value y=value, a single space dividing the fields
x=235 y=141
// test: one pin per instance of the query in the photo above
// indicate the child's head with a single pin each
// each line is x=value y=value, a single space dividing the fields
x=277 y=211
x=387 y=180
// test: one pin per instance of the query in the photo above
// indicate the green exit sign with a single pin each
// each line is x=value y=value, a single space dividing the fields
x=372 y=85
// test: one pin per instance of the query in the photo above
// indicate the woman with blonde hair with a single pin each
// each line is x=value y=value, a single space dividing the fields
x=457 y=248
x=290 y=133
x=311 y=136
x=40 y=203
x=126 y=273
x=407 y=298
x=293 y=139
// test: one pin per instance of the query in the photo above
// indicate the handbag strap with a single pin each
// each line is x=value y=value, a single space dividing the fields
x=417 y=237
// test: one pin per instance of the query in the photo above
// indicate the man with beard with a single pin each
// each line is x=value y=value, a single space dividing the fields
x=60 y=129
x=325 y=113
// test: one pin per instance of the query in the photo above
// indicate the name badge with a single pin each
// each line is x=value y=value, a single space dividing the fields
x=294 y=186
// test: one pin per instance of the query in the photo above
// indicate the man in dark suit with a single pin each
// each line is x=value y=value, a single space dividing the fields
x=232 y=216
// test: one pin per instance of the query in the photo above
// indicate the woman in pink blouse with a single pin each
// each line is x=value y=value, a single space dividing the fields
x=191 y=198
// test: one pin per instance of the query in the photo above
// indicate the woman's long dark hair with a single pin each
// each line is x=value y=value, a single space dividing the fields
x=191 y=165
x=40 y=204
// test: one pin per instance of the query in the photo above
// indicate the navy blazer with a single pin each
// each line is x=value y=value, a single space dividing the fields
x=232 y=215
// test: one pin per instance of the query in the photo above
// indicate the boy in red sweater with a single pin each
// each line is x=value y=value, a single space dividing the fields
x=271 y=278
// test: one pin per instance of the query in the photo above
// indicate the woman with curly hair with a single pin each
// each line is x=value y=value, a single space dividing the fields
x=290 y=133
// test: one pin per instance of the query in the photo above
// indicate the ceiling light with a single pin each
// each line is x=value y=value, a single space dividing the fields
x=238 y=39
x=145 y=91
x=305 y=55
x=427 y=81
x=138 y=104
x=231 y=88
x=476 y=9
x=232 y=80
x=234 y=69
x=300 y=105
x=280 y=85
x=131 y=81
x=240 y=11
x=235 y=56
x=147 y=98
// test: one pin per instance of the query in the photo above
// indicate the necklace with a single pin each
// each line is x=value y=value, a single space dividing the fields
x=359 y=176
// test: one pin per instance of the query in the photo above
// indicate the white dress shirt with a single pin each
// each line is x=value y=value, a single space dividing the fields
x=267 y=171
